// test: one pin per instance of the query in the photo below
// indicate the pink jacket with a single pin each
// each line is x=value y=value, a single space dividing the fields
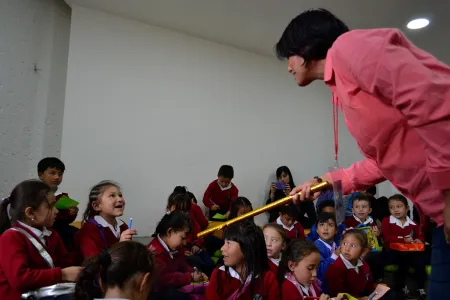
x=395 y=99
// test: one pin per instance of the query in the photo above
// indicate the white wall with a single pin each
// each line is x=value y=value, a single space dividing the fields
x=152 y=109
x=32 y=33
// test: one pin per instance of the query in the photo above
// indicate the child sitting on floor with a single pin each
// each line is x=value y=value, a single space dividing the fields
x=326 y=206
x=294 y=230
x=297 y=272
x=276 y=241
x=240 y=207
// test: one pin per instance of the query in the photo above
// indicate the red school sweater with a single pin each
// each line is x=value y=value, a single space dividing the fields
x=89 y=240
x=290 y=292
x=64 y=216
x=341 y=278
x=172 y=270
x=192 y=239
x=393 y=232
x=230 y=283
x=296 y=231
x=273 y=265
x=214 y=195
x=353 y=222
x=196 y=214
x=23 y=269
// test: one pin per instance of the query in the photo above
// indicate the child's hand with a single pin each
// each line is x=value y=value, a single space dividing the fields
x=324 y=297
x=215 y=207
x=376 y=231
x=408 y=239
x=417 y=241
x=73 y=211
x=227 y=215
x=127 y=235
x=71 y=274
x=187 y=253
x=195 y=249
x=205 y=278
x=197 y=276
x=338 y=251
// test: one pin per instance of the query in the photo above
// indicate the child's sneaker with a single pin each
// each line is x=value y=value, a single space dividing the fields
x=407 y=295
x=421 y=294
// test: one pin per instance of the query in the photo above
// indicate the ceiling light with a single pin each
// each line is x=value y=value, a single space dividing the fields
x=418 y=23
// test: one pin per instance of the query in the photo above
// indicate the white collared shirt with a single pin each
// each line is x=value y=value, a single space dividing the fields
x=224 y=188
x=275 y=260
x=349 y=265
x=235 y=274
x=165 y=246
x=394 y=220
x=40 y=234
x=305 y=290
x=279 y=222
x=332 y=248
x=115 y=231
x=367 y=221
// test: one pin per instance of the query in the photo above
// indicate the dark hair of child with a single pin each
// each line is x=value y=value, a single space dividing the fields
x=363 y=197
x=325 y=217
x=179 y=201
x=285 y=169
x=250 y=238
x=360 y=235
x=294 y=252
x=180 y=189
x=372 y=190
x=280 y=230
x=95 y=194
x=176 y=221
x=115 y=267
x=323 y=204
x=240 y=202
x=50 y=163
x=289 y=210
x=192 y=196
x=28 y=193
x=400 y=198
x=226 y=171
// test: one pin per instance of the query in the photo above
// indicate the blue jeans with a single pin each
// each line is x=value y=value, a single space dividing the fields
x=439 y=281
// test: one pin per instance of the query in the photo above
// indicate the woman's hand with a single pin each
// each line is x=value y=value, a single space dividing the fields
x=305 y=188
x=287 y=189
x=273 y=188
x=127 y=235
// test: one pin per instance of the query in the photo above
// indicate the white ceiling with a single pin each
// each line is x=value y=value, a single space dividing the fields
x=256 y=25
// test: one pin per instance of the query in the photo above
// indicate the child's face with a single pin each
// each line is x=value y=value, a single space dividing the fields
x=361 y=209
x=224 y=181
x=305 y=271
x=327 y=230
x=274 y=242
x=111 y=202
x=243 y=210
x=232 y=254
x=351 y=249
x=398 y=209
x=176 y=239
x=288 y=221
x=285 y=178
x=329 y=209
x=52 y=177
x=46 y=214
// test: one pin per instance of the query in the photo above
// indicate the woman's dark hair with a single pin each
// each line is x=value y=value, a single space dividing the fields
x=284 y=169
x=294 y=252
x=237 y=204
x=324 y=217
x=176 y=220
x=278 y=228
x=28 y=193
x=323 y=204
x=251 y=241
x=310 y=35
x=115 y=267
x=179 y=201
x=95 y=194
x=360 y=235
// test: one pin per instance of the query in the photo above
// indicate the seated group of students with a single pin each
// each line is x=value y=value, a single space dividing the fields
x=275 y=262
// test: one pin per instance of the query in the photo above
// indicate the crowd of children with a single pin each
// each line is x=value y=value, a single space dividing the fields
x=277 y=261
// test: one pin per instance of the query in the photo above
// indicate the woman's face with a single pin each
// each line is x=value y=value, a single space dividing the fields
x=285 y=178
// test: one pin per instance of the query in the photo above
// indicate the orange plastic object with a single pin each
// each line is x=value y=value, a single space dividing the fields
x=407 y=247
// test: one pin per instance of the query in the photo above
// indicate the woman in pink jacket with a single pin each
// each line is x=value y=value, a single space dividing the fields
x=395 y=99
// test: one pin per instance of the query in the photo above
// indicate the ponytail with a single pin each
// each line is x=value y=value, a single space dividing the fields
x=88 y=287
x=5 y=221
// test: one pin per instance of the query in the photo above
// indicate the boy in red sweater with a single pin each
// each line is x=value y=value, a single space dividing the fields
x=362 y=208
x=51 y=171
x=294 y=230
x=399 y=228
x=221 y=192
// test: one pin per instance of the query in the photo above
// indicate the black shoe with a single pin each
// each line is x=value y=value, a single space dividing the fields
x=407 y=295
x=421 y=294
